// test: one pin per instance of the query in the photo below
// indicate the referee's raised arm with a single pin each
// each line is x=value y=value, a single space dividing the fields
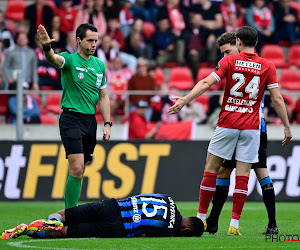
x=56 y=60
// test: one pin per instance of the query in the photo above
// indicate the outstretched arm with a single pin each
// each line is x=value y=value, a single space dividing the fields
x=198 y=90
x=56 y=60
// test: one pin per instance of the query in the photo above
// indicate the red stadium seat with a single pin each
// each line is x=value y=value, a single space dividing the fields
x=181 y=78
x=148 y=29
x=204 y=100
x=48 y=119
x=294 y=55
x=203 y=73
x=159 y=76
x=15 y=10
x=3 y=104
x=274 y=53
x=53 y=103
x=290 y=79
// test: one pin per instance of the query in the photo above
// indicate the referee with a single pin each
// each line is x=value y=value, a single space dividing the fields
x=83 y=81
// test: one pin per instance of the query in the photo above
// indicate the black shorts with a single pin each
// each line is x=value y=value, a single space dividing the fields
x=262 y=155
x=78 y=133
x=99 y=219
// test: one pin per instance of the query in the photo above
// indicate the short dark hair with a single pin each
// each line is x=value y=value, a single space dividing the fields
x=82 y=28
x=198 y=226
x=227 y=37
x=248 y=36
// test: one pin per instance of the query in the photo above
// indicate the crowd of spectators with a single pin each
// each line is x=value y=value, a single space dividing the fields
x=135 y=36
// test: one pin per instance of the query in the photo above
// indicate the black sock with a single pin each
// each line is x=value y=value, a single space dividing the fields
x=219 y=199
x=269 y=200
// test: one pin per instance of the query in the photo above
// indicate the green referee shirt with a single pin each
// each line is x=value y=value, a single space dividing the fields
x=81 y=81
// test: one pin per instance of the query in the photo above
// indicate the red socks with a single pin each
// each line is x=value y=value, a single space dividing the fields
x=207 y=191
x=239 y=196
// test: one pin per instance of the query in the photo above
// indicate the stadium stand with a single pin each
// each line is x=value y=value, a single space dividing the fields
x=203 y=72
x=294 y=56
x=11 y=26
x=204 y=100
x=148 y=29
x=289 y=101
x=52 y=5
x=53 y=103
x=15 y=10
x=295 y=5
x=38 y=99
x=159 y=76
x=3 y=104
x=48 y=119
x=181 y=78
x=274 y=53
x=284 y=56
x=290 y=79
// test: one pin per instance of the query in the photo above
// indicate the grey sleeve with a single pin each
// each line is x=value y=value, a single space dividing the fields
x=7 y=66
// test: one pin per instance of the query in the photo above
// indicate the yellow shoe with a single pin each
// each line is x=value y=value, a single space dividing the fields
x=14 y=232
x=233 y=231
x=205 y=225
x=45 y=225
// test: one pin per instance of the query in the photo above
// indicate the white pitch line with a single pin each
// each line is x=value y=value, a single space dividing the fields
x=20 y=244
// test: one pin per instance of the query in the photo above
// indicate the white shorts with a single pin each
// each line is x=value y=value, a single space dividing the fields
x=245 y=143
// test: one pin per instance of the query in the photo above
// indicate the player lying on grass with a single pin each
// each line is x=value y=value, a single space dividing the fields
x=145 y=215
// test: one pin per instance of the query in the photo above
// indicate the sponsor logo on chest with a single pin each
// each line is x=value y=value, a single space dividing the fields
x=247 y=66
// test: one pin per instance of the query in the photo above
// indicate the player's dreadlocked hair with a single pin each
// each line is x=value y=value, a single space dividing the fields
x=198 y=226
x=227 y=37
x=248 y=36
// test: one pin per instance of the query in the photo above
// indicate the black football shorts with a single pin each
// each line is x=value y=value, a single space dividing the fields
x=78 y=133
x=262 y=155
x=99 y=219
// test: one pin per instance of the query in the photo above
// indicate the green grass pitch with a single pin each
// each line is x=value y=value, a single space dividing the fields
x=253 y=222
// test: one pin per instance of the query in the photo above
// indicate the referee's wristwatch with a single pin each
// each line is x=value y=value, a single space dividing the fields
x=109 y=123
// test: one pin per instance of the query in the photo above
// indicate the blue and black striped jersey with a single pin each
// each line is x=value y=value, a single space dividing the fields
x=154 y=215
